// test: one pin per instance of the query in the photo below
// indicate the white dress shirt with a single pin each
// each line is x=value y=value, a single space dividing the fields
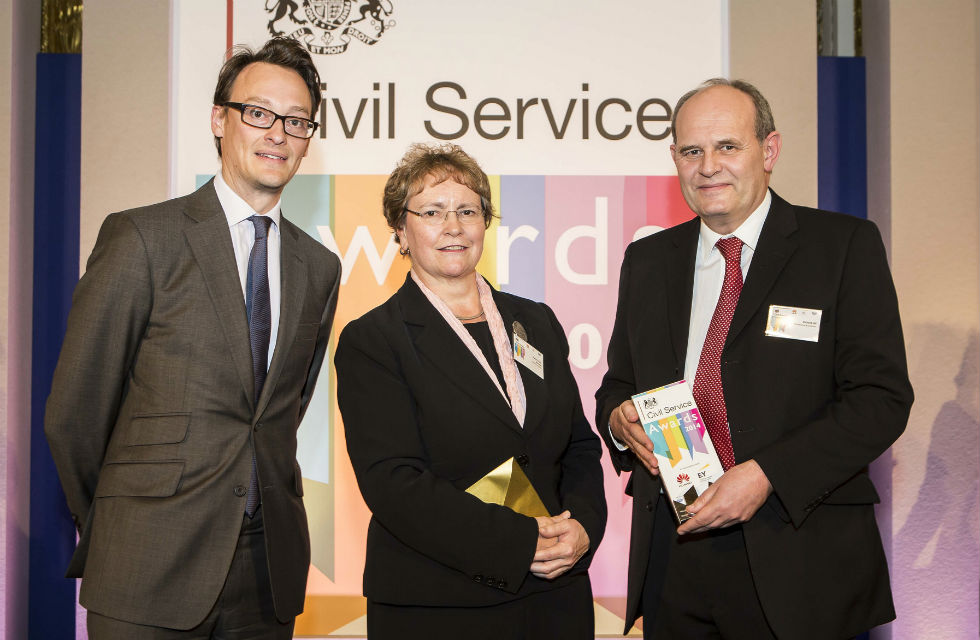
x=242 y=230
x=709 y=275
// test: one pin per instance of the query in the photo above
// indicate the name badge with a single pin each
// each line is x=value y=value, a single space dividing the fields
x=795 y=323
x=528 y=356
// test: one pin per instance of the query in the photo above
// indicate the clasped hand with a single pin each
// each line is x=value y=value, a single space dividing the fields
x=562 y=540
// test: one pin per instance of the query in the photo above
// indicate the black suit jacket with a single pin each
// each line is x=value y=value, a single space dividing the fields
x=152 y=417
x=423 y=422
x=812 y=414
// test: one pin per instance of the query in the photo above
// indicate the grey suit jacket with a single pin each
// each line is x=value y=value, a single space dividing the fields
x=152 y=418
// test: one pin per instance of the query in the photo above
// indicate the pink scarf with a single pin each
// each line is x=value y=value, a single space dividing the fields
x=512 y=377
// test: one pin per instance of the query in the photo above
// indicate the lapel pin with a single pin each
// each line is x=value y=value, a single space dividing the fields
x=519 y=330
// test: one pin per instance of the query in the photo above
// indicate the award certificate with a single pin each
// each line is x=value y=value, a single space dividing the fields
x=687 y=458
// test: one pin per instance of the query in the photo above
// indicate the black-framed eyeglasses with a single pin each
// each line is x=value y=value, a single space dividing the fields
x=256 y=116
x=436 y=217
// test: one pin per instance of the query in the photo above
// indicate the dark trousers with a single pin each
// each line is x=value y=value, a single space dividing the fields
x=707 y=590
x=564 y=613
x=244 y=609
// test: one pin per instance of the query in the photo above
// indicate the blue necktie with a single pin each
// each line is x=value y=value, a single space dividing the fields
x=259 y=310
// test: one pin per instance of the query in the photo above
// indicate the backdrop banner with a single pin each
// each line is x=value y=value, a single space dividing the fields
x=569 y=113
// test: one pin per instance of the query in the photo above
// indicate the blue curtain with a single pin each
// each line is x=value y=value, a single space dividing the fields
x=57 y=147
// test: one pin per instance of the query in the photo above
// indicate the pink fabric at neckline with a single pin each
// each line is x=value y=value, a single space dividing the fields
x=505 y=355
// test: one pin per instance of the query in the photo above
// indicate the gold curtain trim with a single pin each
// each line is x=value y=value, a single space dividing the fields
x=61 y=26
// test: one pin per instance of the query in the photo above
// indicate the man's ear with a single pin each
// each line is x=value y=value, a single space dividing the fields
x=218 y=121
x=770 y=150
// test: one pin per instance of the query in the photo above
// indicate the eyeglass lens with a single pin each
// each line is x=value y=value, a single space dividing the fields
x=265 y=119
x=439 y=216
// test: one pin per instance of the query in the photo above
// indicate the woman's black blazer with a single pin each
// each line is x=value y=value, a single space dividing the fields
x=423 y=422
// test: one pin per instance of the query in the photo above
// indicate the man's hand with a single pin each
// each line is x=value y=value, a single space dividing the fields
x=735 y=498
x=561 y=542
x=624 y=423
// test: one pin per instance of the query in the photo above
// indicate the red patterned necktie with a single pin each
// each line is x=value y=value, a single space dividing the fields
x=708 y=392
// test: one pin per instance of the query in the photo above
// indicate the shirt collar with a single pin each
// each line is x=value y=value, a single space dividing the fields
x=748 y=232
x=235 y=208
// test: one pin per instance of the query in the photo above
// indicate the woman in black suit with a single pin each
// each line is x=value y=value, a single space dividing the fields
x=432 y=400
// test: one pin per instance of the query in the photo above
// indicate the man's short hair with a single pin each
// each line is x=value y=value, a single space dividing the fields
x=764 y=124
x=280 y=51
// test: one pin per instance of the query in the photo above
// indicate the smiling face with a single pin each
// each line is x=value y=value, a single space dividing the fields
x=257 y=163
x=723 y=168
x=447 y=251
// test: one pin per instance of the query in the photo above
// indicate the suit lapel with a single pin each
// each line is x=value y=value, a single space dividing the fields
x=775 y=247
x=438 y=343
x=680 y=286
x=293 y=295
x=210 y=242
x=535 y=392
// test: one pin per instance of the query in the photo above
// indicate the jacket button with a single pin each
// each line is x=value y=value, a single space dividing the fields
x=501 y=584
x=648 y=506
x=478 y=578
x=523 y=460
x=240 y=491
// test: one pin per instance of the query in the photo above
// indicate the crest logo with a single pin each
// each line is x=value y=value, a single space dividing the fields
x=649 y=403
x=328 y=26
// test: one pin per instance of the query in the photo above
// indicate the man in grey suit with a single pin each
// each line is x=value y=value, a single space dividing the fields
x=193 y=346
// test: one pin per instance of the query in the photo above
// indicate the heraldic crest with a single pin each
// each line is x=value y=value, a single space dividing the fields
x=329 y=26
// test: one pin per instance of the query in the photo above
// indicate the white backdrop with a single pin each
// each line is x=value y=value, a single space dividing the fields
x=565 y=105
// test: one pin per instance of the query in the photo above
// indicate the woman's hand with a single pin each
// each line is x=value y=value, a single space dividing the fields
x=562 y=540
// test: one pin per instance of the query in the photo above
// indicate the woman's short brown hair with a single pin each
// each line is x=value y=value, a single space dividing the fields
x=441 y=162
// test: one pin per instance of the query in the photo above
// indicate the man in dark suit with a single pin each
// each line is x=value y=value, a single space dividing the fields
x=193 y=346
x=785 y=543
